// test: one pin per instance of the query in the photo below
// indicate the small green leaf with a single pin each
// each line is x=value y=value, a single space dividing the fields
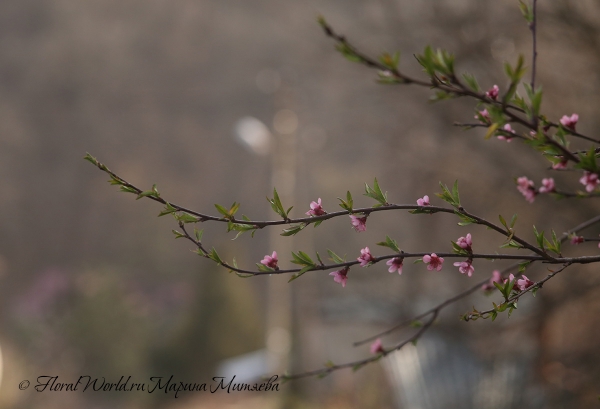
x=186 y=218
x=90 y=159
x=294 y=229
x=264 y=269
x=491 y=130
x=213 y=255
x=390 y=243
x=178 y=234
x=471 y=82
x=337 y=259
x=222 y=210
x=168 y=210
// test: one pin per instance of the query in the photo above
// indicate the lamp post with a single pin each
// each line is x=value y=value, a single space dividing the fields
x=280 y=145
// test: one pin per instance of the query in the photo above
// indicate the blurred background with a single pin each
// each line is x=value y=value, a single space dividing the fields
x=92 y=282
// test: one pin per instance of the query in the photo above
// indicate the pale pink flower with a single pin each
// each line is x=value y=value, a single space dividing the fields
x=465 y=267
x=435 y=262
x=493 y=92
x=523 y=283
x=527 y=189
x=577 y=239
x=270 y=261
x=569 y=121
x=359 y=223
x=560 y=165
x=496 y=278
x=376 y=347
x=590 y=180
x=424 y=201
x=506 y=138
x=316 y=209
x=341 y=276
x=365 y=257
x=395 y=264
x=547 y=185
x=483 y=117
x=465 y=242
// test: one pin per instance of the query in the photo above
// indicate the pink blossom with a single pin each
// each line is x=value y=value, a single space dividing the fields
x=569 y=121
x=424 y=201
x=376 y=347
x=465 y=267
x=270 y=261
x=435 y=262
x=395 y=264
x=577 y=239
x=493 y=92
x=465 y=242
x=508 y=129
x=483 y=116
x=365 y=257
x=359 y=223
x=547 y=185
x=316 y=209
x=496 y=278
x=341 y=276
x=527 y=189
x=523 y=283
x=560 y=165
x=590 y=180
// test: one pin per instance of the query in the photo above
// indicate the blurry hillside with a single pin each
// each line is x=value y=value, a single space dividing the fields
x=92 y=282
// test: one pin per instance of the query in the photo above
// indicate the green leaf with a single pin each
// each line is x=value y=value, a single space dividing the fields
x=336 y=259
x=458 y=250
x=390 y=61
x=264 y=269
x=168 y=210
x=128 y=189
x=471 y=82
x=376 y=193
x=178 y=234
x=527 y=11
x=390 y=243
x=503 y=221
x=491 y=130
x=222 y=210
x=451 y=197
x=198 y=234
x=186 y=218
x=319 y=258
x=294 y=229
x=523 y=266
x=348 y=52
x=214 y=256
x=90 y=159
x=276 y=204
x=539 y=237
x=300 y=273
x=243 y=275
